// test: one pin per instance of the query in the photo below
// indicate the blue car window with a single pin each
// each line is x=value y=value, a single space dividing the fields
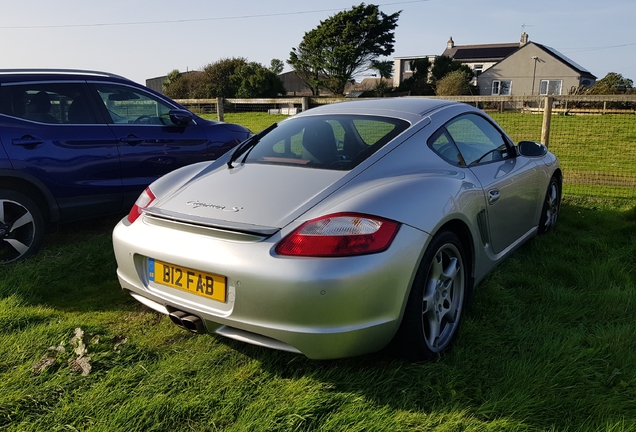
x=128 y=105
x=53 y=103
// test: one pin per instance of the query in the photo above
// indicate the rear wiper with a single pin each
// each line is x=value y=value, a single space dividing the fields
x=248 y=144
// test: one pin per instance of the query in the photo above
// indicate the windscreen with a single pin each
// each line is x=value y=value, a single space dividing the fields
x=337 y=142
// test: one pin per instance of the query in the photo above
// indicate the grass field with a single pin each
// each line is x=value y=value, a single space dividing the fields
x=597 y=153
x=548 y=345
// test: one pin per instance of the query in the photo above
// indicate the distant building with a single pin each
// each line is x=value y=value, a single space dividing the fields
x=496 y=66
x=294 y=85
x=156 y=84
x=481 y=57
x=402 y=67
x=534 y=69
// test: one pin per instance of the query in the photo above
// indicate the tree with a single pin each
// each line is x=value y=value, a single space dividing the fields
x=384 y=68
x=276 y=66
x=307 y=67
x=254 y=80
x=188 y=85
x=229 y=77
x=218 y=77
x=344 y=44
x=612 y=83
x=385 y=71
x=418 y=83
x=171 y=84
x=455 y=83
x=444 y=65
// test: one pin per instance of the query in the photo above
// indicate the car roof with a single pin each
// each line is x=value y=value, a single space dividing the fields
x=9 y=75
x=409 y=108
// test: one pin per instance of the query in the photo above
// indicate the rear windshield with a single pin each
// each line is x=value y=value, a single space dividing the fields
x=338 y=142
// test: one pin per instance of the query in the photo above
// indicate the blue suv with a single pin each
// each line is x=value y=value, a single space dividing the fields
x=79 y=144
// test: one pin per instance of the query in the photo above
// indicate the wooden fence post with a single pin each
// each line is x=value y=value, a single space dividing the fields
x=547 y=117
x=219 y=108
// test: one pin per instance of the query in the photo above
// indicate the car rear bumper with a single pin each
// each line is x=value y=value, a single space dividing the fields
x=322 y=308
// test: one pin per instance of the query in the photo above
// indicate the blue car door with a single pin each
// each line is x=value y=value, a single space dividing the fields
x=150 y=144
x=56 y=138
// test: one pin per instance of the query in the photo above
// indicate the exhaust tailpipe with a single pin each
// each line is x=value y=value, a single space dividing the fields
x=193 y=323
x=188 y=322
x=176 y=317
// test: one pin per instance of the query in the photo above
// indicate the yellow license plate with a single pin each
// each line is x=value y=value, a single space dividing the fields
x=196 y=282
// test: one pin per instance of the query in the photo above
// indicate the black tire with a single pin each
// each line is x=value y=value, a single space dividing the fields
x=440 y=292
x=551 y=207
x=21 y=226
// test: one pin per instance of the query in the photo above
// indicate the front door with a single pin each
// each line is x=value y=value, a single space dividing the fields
x=150 y=145
x=510 y=183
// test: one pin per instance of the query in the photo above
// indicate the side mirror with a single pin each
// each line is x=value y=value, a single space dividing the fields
x=531 y=149
x=181 y=117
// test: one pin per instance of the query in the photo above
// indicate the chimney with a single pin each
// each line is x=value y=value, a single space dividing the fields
x=524 y=39
x=450 y=44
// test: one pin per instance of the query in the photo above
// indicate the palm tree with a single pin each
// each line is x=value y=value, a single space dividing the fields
x=385 y=71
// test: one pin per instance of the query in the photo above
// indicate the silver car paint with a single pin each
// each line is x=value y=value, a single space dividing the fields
x=308 y=304
x=304 y=303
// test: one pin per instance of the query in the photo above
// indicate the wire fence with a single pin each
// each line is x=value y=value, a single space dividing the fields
x=594 y=137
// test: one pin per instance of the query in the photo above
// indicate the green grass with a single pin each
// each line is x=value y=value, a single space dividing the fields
x=548 y=345
x=597 y=153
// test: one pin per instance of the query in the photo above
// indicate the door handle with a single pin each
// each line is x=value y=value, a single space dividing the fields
x=27 y=141
x=131 y=140
x=493 y=196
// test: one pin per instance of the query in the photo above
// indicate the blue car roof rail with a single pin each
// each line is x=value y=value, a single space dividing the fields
x=59 y=71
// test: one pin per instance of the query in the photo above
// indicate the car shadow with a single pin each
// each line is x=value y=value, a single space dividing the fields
x=74 y=271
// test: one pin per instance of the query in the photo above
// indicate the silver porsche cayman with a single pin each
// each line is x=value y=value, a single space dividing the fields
x=340 y=229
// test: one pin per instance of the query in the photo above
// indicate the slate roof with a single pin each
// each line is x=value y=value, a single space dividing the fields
x=477 y=53
x=573 y=65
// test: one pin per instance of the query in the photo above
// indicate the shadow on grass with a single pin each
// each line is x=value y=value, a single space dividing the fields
x=545 y=344
x=74 y=271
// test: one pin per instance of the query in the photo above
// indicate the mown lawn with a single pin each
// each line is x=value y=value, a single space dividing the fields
x=547 y=345
x=597 y=153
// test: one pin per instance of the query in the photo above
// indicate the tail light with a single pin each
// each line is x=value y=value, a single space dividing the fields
x=338 y=235
x=144 y=200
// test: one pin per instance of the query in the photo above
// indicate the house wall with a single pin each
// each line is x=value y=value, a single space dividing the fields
x=400 y=72
x=519 y=68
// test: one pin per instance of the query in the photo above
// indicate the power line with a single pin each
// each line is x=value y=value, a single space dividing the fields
x=189 y=20
x=576 y=50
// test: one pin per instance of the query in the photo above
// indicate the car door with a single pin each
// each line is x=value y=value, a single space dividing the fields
x=53 y=135
x=511 y=184
x=150 y=144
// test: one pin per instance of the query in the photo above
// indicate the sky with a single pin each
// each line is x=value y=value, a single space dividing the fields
x=143 y=39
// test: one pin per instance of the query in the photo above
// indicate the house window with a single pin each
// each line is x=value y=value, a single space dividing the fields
x=550 y=87
x=501 y=88
x=478 y=69
x=407 y=66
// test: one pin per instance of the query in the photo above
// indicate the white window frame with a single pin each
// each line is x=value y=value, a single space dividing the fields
x=546 y=91
x=407 y=66
x=496 y=88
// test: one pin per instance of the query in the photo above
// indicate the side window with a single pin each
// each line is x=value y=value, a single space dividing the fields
x=477 y=139
x=502 y=88
x=128 y=105
x=53 y=103
x=445 y=147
